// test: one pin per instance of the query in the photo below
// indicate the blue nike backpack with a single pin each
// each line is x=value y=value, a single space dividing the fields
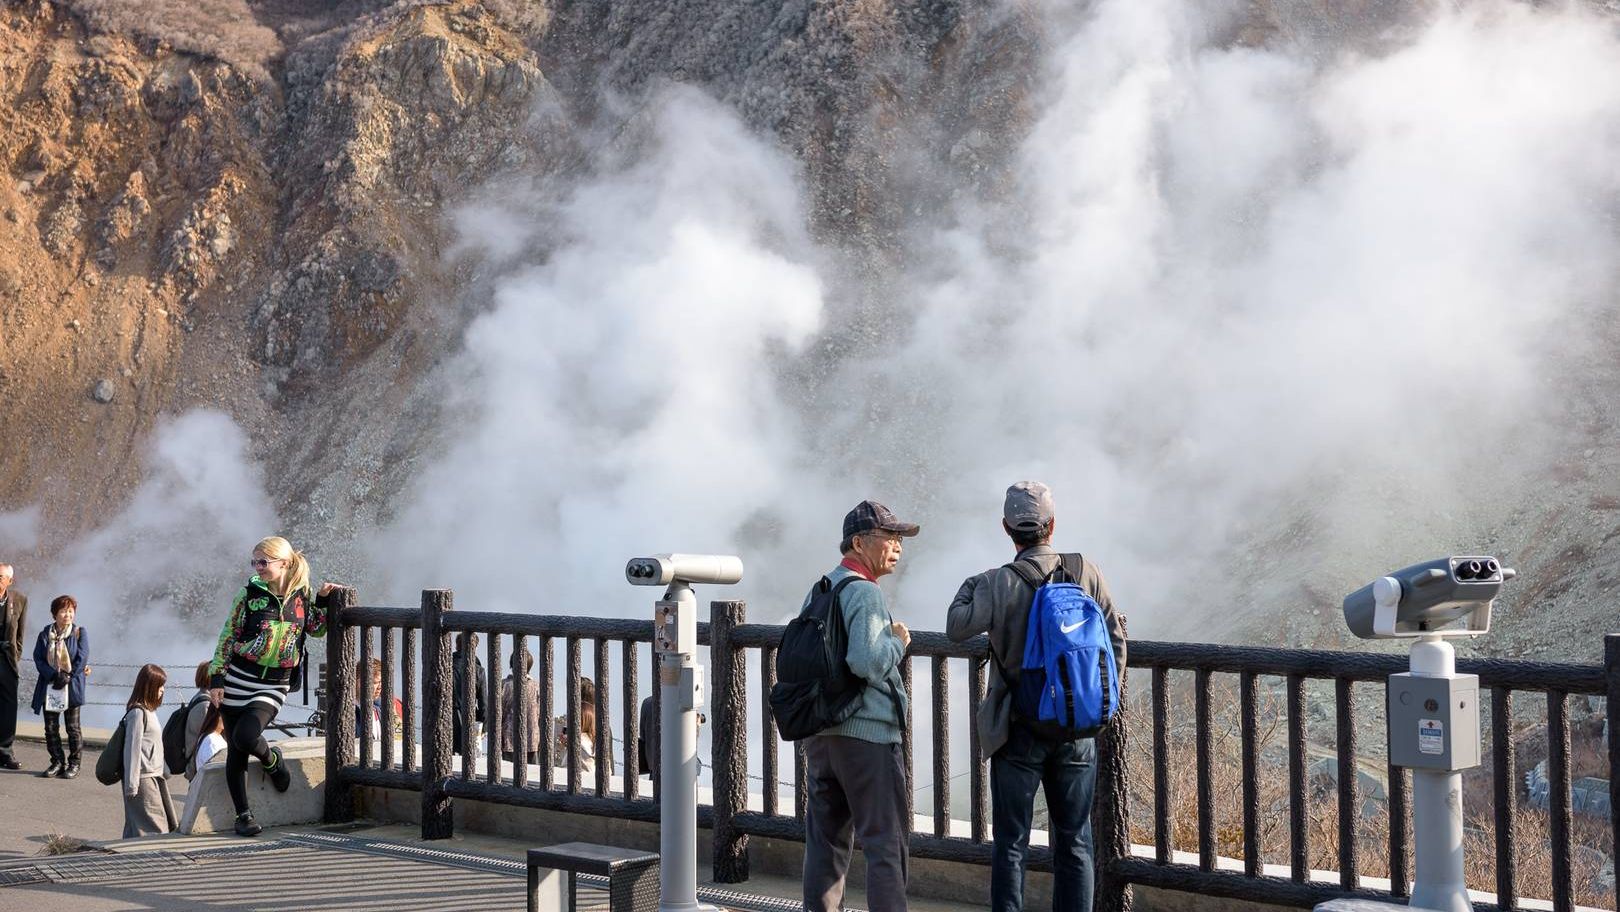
x=1069 y=685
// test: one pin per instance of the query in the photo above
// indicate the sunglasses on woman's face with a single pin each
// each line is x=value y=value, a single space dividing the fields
x=260 y=563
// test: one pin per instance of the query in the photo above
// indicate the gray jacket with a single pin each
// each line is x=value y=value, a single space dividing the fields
x=143 y=748
x=997 y=602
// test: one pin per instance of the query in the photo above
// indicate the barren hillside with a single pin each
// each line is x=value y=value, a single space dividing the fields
x=245 y=206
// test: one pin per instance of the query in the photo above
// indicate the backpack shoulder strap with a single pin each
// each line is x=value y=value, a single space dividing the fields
x=1073 y=565
x=836 y=612
x=1029 y=572
x=839 y=589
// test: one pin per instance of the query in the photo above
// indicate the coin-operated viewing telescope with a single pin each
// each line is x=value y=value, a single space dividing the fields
x=1433 y=597
x=680 y=696
x=1433 y=712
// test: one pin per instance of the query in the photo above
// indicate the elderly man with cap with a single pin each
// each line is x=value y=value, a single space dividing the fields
x=1022 y=756
x=13 y=627
x=855 y=774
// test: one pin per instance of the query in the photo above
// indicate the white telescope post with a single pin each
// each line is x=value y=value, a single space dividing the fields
x=680 y=686
x=1437 y=799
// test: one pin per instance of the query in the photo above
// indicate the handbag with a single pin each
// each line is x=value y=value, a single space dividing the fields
x=56 y=699
x=110 y=765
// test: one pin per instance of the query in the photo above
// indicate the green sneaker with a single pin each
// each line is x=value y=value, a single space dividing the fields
x=276 y=769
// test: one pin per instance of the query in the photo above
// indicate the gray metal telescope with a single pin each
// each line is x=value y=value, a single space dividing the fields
x=1427 y=598
x=680 y=696
x=1433 y=712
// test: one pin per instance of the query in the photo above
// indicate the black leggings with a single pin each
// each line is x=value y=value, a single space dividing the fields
x=244 y=737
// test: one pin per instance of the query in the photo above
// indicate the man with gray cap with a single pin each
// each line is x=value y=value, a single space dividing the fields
x=1024 y=754
x=855 y=776
x=13 y=627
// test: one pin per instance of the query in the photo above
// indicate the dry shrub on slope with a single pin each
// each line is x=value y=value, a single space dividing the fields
x=222 y=29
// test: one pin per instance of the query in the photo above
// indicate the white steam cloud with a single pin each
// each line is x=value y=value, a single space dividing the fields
x=1236 y=291
x=623 y=389
x=154 y=581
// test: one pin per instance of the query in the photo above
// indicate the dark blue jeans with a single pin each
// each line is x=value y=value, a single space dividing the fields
x=1068 y=772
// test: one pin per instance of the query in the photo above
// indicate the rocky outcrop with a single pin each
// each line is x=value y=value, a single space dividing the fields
x=216 y=235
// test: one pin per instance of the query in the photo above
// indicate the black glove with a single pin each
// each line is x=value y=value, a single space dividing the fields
x=61 y=679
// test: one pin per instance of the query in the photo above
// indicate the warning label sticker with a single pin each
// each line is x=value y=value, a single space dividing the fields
x=1431 y=736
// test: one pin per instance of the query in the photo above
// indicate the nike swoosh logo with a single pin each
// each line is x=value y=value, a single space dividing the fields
x=1071 y=628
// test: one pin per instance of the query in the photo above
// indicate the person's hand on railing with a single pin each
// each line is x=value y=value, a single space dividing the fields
x=900 y=630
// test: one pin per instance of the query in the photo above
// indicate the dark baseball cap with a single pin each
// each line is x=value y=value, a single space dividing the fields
x=871 y=516
x=1029 y=506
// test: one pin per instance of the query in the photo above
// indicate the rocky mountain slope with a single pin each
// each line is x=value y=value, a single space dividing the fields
x=241 y=205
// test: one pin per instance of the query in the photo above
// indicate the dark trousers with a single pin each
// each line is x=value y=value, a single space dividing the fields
x=244 y=737
x=8 y=707
x=53 y=736
x=1067 y=770
x=854 y=787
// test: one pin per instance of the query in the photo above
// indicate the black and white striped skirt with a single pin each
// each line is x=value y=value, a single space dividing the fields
x=255 y=687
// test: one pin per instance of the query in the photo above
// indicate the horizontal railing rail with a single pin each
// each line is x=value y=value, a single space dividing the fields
x=442 y=633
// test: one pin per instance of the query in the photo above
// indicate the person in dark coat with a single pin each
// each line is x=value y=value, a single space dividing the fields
x=458 y=698
x=62 y=658
x=13 y=627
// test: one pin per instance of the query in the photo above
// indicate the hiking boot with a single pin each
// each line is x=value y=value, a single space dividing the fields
x=53 y=769
x=68 y=772
x=276 y=769
x=246 y=826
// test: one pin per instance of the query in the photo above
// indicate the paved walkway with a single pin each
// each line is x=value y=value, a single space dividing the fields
x=287 y=869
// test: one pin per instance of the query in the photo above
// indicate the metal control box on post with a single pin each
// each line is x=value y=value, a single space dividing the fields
x=1434 y=721
x=680 y=696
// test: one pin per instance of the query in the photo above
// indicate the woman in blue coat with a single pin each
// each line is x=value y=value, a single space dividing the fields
x=62 y=657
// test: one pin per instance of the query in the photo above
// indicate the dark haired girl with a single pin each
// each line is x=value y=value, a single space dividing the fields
x=147 y=807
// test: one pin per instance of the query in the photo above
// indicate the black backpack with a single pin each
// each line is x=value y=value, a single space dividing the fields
x=814 y=688
x=176 y=752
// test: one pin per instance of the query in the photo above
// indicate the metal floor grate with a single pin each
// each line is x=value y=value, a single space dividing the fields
x=720 y=896
x=84 y=866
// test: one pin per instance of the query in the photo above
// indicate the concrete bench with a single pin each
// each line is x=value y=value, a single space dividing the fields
x=632 y=877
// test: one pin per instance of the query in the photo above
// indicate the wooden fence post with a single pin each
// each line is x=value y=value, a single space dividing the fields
x=437 y=820
x=730 y=712
x=1111 y=808
x=1611 y=674
x=339 y=716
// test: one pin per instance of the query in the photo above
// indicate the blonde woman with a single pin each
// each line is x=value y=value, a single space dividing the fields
x=260 y=648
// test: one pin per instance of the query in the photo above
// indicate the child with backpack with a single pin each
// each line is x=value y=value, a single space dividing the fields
x=148 y=810
x=184 y=726
x=1057 y=650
